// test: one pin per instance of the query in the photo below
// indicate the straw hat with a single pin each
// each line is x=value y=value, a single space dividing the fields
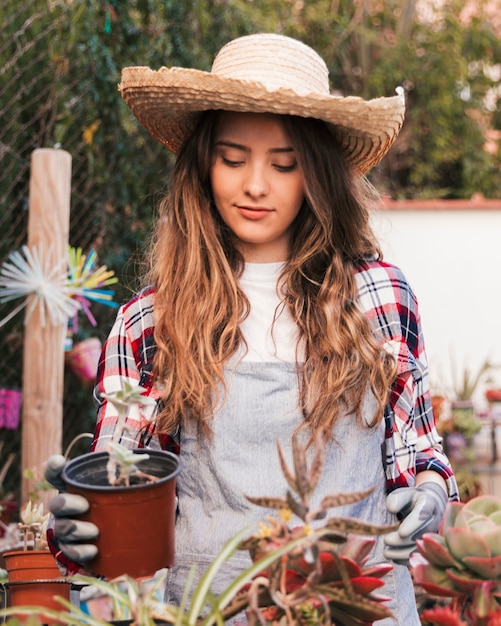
x=262 y=73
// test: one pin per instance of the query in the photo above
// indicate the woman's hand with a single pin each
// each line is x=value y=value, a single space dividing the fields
x=73 y=535
x=421 y=510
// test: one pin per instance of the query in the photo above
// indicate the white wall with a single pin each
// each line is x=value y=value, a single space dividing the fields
x=452 y=259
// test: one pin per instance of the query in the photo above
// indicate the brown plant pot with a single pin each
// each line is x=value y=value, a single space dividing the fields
x=136 y=523
x=34 y=580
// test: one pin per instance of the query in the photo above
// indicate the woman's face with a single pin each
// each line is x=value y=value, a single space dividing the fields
x=256 y=182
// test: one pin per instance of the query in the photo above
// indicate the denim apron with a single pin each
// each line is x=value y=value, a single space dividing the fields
x=241 y=459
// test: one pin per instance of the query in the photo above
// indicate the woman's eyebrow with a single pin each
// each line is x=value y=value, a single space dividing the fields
x=238 y=146
x=230 y=144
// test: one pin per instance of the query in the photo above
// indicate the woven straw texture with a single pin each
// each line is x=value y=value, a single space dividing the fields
x=262 y=74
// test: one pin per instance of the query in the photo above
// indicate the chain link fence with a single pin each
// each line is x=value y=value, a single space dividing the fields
x=50 y=96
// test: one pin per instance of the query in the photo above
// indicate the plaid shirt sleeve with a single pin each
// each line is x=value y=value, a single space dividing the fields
x=127 y=356
x=412 y=443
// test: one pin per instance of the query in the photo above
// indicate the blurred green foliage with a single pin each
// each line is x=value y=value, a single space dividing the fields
x=370 y=48
x=60 y=64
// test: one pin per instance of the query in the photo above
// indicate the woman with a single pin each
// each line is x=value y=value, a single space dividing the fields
x=268 y=311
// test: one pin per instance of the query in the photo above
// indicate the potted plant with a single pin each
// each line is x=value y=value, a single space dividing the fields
x=460 y=424
x=32 y=573
x=121 y=496
x=465 y=386
x=463 y=562
x=299 y=575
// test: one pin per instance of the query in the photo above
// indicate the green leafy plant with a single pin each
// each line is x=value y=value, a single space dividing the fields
x=466 y=382
x=463 y=561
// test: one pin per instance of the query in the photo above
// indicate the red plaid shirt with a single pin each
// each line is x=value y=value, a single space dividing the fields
x=412 y=443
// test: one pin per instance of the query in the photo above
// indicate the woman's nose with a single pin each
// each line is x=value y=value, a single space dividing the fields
x=256 y=182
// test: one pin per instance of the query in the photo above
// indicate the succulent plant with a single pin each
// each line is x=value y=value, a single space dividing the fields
x=463 y=560
x=122 y=461
x=325 y=579
x=33 y=525
x=123 y=464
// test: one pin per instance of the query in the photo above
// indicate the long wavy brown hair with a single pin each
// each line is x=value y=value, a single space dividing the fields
x=195 y=266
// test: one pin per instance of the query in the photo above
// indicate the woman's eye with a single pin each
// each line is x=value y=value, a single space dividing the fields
x=231 y=162
x=286 y=168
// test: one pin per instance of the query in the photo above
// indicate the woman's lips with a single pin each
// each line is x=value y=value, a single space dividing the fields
x=253 y=213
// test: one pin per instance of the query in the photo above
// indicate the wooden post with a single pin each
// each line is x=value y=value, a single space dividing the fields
x=43 y=358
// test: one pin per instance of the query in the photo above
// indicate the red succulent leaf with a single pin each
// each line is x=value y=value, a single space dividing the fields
x=293 y=581
x=463 y=581
x=329 y=567
x=488 y=568
x=439 y=591
x=494 y=619
x=357 y=548
x=434 y=550
x=378 y=570
x=442 y=616
x=484 y=603
x=434 y=581
x=366 y=584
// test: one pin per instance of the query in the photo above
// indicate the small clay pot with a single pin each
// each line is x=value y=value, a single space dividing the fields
x=34 y=580
x=136 y=523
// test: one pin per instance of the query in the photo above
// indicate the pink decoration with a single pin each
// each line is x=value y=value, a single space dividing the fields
x=83 y=359
x=10 y=407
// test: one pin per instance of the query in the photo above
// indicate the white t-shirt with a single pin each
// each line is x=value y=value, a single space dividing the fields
x=266 y=341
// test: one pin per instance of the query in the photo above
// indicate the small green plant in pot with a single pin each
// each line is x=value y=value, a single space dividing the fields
x=32 y=572
x=124 y=487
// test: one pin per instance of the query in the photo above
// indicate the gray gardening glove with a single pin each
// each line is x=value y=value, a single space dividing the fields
x=421 y=510
x=73 y=535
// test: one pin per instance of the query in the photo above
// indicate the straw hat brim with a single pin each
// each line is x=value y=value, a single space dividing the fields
x=168 y=101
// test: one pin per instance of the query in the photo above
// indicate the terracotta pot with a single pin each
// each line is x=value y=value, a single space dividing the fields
x=136 y=523
x=493 y=395
x=24 y=565
x=34 y=580
x=10 y=407
x=437 y=403
x=83 y=359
